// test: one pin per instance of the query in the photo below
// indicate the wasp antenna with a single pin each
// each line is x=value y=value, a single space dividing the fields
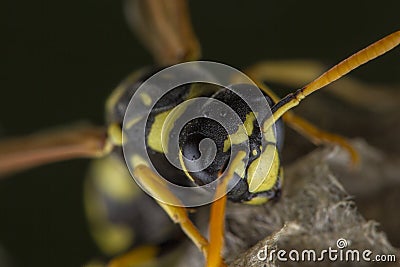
x=372 y=51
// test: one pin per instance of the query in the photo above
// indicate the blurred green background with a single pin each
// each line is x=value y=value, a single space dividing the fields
x=60 y=60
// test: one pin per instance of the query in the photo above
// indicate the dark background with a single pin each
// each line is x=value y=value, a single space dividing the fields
x=59 y=61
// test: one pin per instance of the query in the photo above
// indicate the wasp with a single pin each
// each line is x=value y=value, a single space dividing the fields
x=166 y=31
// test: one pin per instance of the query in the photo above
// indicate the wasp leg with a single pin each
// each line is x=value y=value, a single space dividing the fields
x=318 y=136
x=178 y=214
x=217 y=216
x=217 y=221
x=21 y=153
x=165 y=29
x=299 y=124
x=137 y=257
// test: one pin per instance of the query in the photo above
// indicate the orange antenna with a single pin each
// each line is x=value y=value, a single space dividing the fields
x=373 y=51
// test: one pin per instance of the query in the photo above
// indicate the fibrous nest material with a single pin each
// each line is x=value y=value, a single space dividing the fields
x=315 y=212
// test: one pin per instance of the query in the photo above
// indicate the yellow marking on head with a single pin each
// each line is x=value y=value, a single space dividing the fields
x=227 y=144
x=259 y=176
x=169 y=122
x=236 y=138
x=183 y=166
x=249 y=123
x=115 y=134
x=242 y=133
x=146 y=99
x=257 y=201
x=154 y=137
x=160 y=130
x=269 y=135
x=254 y=152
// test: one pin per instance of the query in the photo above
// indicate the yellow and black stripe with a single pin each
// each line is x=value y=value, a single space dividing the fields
x=254 y=187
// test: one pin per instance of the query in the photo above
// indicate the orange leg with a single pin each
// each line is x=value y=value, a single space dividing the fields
x=136 y=257
x=178 y=214
x=318 y=136
x=217 y=216
x=217 y=222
